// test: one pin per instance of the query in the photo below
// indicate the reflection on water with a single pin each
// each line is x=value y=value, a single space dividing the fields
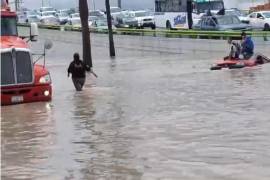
x=160 y=117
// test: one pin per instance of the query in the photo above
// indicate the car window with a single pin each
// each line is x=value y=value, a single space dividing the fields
x=225 y=20
x=259 y=15
x=204 y=22
x=140 y=14
x=210 y=22
x=235 y=20
x=253 y=15
x=266 y=14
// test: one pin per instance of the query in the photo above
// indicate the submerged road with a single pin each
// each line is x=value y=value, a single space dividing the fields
x=156 y=111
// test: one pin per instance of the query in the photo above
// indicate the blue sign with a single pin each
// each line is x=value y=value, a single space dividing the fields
x=180 y=20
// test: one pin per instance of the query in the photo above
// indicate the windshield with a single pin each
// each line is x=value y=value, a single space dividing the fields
x=75 y=15
x=7 y=70
x=227 y=20
x=63 y=14
x=46 y=9
x=8 y=26
x=101 y=23
x=92 y=18
x=47 y=14
x=266 y=14
x=140 y=14
x=115 y=10
x=212 y=5
x=95 y=13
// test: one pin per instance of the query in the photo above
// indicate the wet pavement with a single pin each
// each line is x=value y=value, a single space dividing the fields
x=156 y=111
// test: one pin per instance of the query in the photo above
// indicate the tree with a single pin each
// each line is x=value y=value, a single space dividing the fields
x=83 y=8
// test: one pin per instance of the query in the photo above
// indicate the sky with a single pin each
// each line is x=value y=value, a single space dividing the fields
x=126 y=4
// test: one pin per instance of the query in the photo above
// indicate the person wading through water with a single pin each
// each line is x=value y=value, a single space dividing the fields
x=78 y=68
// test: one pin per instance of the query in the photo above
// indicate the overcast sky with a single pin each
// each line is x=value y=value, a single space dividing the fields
x=126 y=4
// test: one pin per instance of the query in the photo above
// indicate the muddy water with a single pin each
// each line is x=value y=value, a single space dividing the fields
x=154 y=112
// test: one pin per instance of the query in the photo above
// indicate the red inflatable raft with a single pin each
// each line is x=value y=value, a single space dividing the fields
x=237 y=64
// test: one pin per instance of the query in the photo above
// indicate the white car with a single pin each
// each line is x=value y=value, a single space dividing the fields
x=97 y=13
x=49 y=20
x=260 y=20
x=45 y=14
x=62 y=17
x=144 y=19
x=44 y=9
x=242 y=17
x=76 y=22
x=74 y=18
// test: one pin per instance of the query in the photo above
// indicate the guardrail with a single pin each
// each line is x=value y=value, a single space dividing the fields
x=163 y=32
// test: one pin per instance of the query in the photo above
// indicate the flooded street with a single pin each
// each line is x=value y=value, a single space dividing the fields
x=156 y=111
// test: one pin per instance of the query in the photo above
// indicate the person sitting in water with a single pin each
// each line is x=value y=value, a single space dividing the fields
x=247 y=46
x=234 y=51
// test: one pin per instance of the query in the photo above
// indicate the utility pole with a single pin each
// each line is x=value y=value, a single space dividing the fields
x=87 y=56
x=109 y=21
x=189 y=13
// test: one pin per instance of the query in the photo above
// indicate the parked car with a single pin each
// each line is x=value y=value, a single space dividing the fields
x=101 y=25
x=73 y=18
x=31 y=16
x=144 y=19
x=49 y=20
x=126 y=20
x=221 y=23
x=47 y=9
x=260 y=20
x=33 y=19
x=45 y=14
x=97 y=13
x=243 y=17
x=62 y=17
x=92 y=20
x=76 y=22
x=66 y=11
x=115 y=12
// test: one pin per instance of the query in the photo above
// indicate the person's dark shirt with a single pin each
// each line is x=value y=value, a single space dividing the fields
x=78 y=69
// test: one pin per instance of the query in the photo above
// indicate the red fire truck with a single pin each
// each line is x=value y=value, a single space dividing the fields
x=22 y=80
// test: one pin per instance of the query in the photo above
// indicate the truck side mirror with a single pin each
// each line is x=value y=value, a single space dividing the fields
x=33 y=31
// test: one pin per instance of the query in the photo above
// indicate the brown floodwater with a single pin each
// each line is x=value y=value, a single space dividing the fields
x=155 y=111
